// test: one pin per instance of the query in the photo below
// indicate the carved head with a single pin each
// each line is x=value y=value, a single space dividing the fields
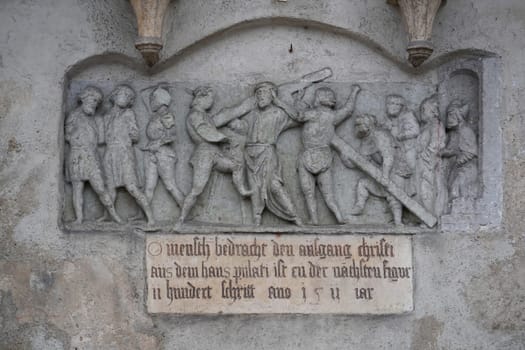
x=364 y=124
x=159 y=97
x=395 y=105
x=203 y=97
x=457 y=113
x=239 y=126
x=167 y=120
x=325 y=97
x=264 y=93
x=123 y=96
x=429 y=109
x=89 y=99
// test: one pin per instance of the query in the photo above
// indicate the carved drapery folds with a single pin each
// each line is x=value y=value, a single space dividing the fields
x=150 y=18
x=418 y=16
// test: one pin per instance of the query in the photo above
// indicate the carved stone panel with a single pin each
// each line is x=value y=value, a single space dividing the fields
x=211 y=274
x=305 y=155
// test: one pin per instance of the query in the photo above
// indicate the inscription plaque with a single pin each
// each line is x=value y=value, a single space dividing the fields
x=230 y=274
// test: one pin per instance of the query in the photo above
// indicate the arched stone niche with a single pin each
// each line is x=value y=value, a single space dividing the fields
x=232 y=63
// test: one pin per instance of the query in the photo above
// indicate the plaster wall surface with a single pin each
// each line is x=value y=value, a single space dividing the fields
x=85 y=291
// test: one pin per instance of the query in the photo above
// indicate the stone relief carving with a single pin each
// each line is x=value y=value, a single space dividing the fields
x=160 y=156
x=462 y=147
x=415 y=162
x=121 y=133
x=315 y=162
x=83 y=163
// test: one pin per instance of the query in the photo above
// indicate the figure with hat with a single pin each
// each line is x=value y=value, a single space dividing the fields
x=208 y=155
x=160 y=157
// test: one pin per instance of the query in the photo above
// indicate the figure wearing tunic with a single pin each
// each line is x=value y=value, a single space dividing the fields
x=119 y=159
x=264 y=168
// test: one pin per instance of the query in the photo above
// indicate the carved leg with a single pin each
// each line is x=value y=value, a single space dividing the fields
x=152 y=177
x=326 y=186
x=307 y=181
x=228 y=165
x=142 y=201
x=105 y=198
x=362 y=194
x=112 y=193
x=201 y=175
x=78 y=200
x=167 y=174
x=257 y=201
x=397 y=210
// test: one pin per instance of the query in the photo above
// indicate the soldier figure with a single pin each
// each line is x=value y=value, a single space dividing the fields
x=121 y=133
x=378 y=147
x=404 y=128
x=430 y=143
x=207 y=154
x=160 y=157
x=83 y=165
x=316 y=160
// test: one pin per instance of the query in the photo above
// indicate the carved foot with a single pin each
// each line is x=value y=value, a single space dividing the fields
x=356 y=211
x=137 y=217
x=245 y=193
x=297 y=220
x=103 y=218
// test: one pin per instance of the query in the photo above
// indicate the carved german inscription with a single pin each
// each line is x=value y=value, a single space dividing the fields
x=350 y=274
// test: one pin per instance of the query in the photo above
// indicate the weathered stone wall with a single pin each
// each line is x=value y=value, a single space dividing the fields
x=85 y=291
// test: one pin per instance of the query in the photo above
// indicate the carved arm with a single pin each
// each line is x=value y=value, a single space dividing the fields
x=346 y=111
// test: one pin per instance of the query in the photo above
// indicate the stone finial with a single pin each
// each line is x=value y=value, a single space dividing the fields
x=418 y=16
x=150 y=17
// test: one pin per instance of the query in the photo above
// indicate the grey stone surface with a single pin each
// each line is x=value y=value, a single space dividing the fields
x=86 y=291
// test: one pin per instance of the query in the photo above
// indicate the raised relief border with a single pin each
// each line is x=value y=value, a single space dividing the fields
x=370 y=157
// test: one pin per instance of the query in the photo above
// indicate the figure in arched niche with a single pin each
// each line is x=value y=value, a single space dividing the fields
x=207 y=155
x=83 y=164
x=315 y=162
x=430 y=144
x=462 y=148
x=160 y=157
x=121 y=134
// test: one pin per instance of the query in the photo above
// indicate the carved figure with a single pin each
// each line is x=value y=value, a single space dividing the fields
x=83 y=164
x=404 y=128
x=237 y=132
x=160 y=157
x=121 y=133
x=378 y=147
x=269 y=118
x=462 y=148
x=430 y=143
x=207 y=154
x=315 y=162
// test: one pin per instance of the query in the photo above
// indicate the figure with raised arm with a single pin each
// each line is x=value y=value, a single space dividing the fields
x=207 y=155
x=315 y=162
